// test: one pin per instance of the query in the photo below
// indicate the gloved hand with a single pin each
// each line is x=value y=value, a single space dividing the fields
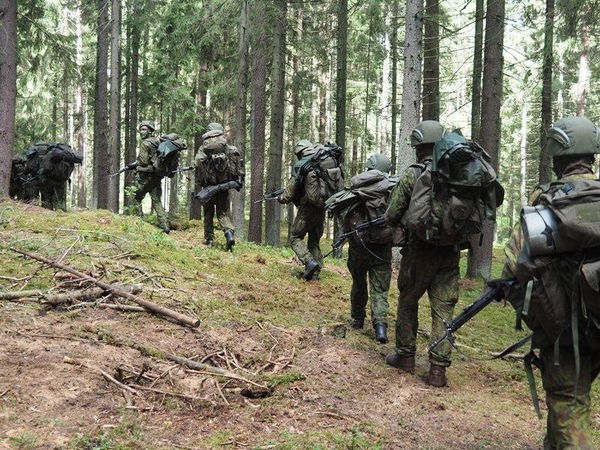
x=131 y=166
x=499 y=286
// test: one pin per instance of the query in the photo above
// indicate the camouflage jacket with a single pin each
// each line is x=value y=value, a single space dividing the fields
x=218 y=162
x=515 y=242
x=400 y=197
x=146 y=154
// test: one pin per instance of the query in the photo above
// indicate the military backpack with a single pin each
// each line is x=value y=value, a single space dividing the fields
x=453 y=194
x=165 y=159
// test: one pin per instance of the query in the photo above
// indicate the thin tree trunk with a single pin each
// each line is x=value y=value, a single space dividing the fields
x=79 y=113
x=480 y=256
x=259 y=106
x=477 y=71
x=114 y=154
x=583 y=83
x=394 y=99
x=341 y=78
x=274 y=170
x=545 y=166
x=100 y=193
x=431 y=62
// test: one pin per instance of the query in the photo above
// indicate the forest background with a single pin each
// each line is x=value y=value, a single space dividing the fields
x=360 y=73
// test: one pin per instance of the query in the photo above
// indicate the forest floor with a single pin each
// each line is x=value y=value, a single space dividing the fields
x=270 y=365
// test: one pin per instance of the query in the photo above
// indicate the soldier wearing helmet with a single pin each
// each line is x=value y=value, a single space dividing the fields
x=217 y=163
x=146 y=178
x=424 y=268
x=309 y=219
x=370 y=252
x=567 y=373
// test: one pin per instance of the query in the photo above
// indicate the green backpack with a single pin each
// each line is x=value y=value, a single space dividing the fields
x=319 y=174
x=454 y=194
x=57 y=162
x=166 y=158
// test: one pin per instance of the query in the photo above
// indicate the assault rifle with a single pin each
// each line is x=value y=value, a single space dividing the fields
x=357 y=229
x=494 y=292
x=129 y=166
x=271 y=196
x=183 y=169
x=207 y=194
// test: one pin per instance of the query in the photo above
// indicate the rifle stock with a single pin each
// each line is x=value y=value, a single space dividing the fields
x=129 y=166
x=271 y=195
x=357 y=229
x=207 y=194
x=494 y=292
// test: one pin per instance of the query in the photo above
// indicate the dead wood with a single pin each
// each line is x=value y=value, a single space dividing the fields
x=117 y=290
x=102 y=372
x=64 y=297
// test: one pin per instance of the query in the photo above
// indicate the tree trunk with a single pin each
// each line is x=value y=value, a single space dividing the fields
x=274 y=181
x=394 y=99
x=342 y=74
x=411 y=92
x=114 y=154
x=583 y=83
x=480 y=257
x=79 y=114
x=545 y=166
x=8 y=89
x=477 y=72
x=259 y=106
x=240 y=118
x=431 y=62
x=100 y=194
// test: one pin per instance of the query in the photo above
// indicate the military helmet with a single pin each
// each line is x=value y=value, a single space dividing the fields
x=214 y=126
x=301 y=146
x=427 y=132
x=380 y=162
x=147 y=123
x=573 y=136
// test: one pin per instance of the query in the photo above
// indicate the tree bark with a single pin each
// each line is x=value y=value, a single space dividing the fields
x=114 y=148
x=480 y=256
x=431 y=62
x=545 y=166
x=394 y=99
x=79 y=114
x=8 y=89
x=477 y=72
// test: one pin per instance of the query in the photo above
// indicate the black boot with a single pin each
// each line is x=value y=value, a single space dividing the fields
x=166 y=228
x=381 y=333
x=310 y=268
x=357 y=324
x=230 y=242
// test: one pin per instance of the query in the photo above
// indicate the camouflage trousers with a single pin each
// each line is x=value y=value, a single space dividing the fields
x=431 y=269
x=149 y=183
x=54 y=194
x=309 y=220
x=221 y=206
x=374 y=263
x=568 y=397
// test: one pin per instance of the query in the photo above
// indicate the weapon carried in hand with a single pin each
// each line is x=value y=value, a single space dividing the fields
x=271 y=196
x=208 y=193
x=494 y=292
x=357 y=229
x=130 y=166
x=184 y=169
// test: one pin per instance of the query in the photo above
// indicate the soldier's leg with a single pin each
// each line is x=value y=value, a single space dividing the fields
x=358 y=292
x=223 y=208
x=156 y=197
x=380 y=276
x=209 y=215
x=298 y=232
x=60 y=196
x=443 y=295
x=142 y=187
x=412 y=283
x=315 y=232
x=567 y=398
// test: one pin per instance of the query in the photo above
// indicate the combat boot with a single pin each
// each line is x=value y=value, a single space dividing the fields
x=209 y=242
x=230 y=242
x=310 y=268
x=437 y=376
x=381 y=333
x=166 y=228
x=404 y=363
x=357 y=324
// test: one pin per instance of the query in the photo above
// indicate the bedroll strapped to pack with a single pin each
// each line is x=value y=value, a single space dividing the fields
x=454 y=194
x=365 y=200
x=320 y=173
x=166 y=159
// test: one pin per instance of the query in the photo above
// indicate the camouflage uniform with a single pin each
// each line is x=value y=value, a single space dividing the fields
x=23 y=184
x=424 y=268
x=148 y=182
x=567 y=398
x=54 y=194
x=309 y=220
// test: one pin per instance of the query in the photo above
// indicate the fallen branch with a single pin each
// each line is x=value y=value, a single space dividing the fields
x=116 y=290
x=102 y=372
x=65 y=297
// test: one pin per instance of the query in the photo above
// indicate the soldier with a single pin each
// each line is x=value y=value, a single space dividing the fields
x=370 y=255
x=572 y=143
x=218 y=162
x=23 y=184
x=424 y=268
x=55 y=163
x=147 y=180
x=309 y=220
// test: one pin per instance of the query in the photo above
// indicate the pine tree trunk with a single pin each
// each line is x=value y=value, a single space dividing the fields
x=114 y=156
x=79 y=114
x=394 y=81
x=431 y=62
x=477 y=72
x=545 y=166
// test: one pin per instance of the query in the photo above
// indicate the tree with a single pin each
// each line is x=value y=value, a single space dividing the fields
x=411 y=92
x=100 y=109
x=273 y=209
x=394 y=98
x=114 y=142
x=341 y=77
x=431 y=62
x=545 y=166
x=477 y=72
x=8 y=89
x=480 y=256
